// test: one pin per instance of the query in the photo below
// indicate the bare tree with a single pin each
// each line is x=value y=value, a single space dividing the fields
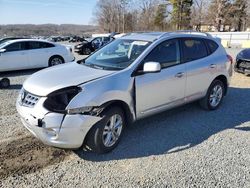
x=199 y=12
x=238 y=14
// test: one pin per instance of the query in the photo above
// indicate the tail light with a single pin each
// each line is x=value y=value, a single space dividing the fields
x=230 y=59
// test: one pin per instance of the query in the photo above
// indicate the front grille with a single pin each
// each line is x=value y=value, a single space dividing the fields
x=28 y=99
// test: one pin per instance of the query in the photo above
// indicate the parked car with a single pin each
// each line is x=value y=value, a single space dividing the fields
x=92 y=44
x=76 y=39
x=92 y=101
x=242 y=64
x=30 y=53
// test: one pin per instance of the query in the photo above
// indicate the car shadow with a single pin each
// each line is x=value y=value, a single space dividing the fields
x=10 y=74
x=178 y=129
x=13 y=87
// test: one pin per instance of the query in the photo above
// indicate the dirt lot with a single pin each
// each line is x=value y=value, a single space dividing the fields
x=184 y=147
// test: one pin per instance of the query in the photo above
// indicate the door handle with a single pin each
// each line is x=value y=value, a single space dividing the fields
x=179 y=75
x=212 y=66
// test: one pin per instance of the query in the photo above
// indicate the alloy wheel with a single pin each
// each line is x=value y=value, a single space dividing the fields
x=216 y=95
x=112 y=130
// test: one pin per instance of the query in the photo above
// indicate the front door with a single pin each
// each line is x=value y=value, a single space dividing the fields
x=156 y=92
x=14 y=58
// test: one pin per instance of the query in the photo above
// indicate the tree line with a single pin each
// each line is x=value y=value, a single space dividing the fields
x=45 y=30
x=161 y=15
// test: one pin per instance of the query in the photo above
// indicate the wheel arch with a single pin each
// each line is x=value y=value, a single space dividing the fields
x=124 y=106
x=53 y=56
x=224 y=80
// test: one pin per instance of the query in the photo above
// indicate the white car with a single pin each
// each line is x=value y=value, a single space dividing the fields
x=31 y=53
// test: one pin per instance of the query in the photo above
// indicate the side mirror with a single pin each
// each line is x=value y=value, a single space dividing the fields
x=151 y=67
x=2 y=50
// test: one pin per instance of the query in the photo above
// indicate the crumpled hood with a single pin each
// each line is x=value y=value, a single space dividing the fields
x=51 y=79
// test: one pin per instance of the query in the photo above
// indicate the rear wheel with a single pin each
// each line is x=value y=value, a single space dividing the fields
x=106 y=134
x=214 y=96
x=56 y=60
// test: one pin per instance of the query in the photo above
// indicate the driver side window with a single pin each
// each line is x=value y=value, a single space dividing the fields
x=167 y=53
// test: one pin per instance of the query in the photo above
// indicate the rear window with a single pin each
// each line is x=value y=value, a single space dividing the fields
x=37 y=45
x=212 y=46
x=193 y=49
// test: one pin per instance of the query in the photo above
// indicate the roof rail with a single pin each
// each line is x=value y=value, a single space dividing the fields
x=185 y=31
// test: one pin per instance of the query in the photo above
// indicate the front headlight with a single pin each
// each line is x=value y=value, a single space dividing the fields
x=59 y=100
x=80 y=110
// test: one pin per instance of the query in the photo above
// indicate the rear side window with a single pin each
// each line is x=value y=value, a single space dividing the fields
x=46 y=45
x=212 y=46
x=193 y=49
x=38 y=45
x=34 y=45
x=18 y=46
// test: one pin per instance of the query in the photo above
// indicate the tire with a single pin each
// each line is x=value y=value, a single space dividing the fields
x=55 y=60
x=87 y=51
x=214 y=96
x=102 y=140
x=5 y=83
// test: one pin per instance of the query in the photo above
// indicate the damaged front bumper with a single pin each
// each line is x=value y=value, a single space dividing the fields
x=242 y=66
x=55 y=129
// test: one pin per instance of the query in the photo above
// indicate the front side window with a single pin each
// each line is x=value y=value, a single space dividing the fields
x=106 y=39
x=166 y=53
x=193 y=49
x=117 y=55
x=17 y=46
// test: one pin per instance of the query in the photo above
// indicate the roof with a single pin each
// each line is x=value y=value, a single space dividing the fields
x=27 y=40
x=152 y=36
x=145 y=36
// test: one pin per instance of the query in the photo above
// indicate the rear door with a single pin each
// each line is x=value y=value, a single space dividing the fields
x=199 y=66
x=38 y=54
x=15 y=57
x=159 y=91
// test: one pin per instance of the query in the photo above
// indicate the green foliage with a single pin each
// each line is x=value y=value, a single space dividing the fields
x=181 y=14
x=160 y=16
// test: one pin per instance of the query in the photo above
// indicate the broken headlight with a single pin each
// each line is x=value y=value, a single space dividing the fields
x=58 y=100
x=80 y=110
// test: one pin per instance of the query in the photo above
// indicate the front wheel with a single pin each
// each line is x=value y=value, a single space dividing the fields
x=106 y=134
x=214 y=96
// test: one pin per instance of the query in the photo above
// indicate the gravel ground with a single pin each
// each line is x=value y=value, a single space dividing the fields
x=184 y=147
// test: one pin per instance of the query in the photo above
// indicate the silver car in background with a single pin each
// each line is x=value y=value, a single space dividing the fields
x=90 y=102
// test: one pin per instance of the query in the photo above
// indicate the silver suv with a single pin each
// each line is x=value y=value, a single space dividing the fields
x=90 y=102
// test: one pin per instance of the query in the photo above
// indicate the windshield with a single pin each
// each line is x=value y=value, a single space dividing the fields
x=117 y=55
x=3 y=44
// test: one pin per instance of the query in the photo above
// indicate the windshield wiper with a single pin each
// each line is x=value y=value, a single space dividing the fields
x=95 y=66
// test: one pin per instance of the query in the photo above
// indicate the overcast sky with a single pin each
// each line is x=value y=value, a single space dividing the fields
x=46 y=11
